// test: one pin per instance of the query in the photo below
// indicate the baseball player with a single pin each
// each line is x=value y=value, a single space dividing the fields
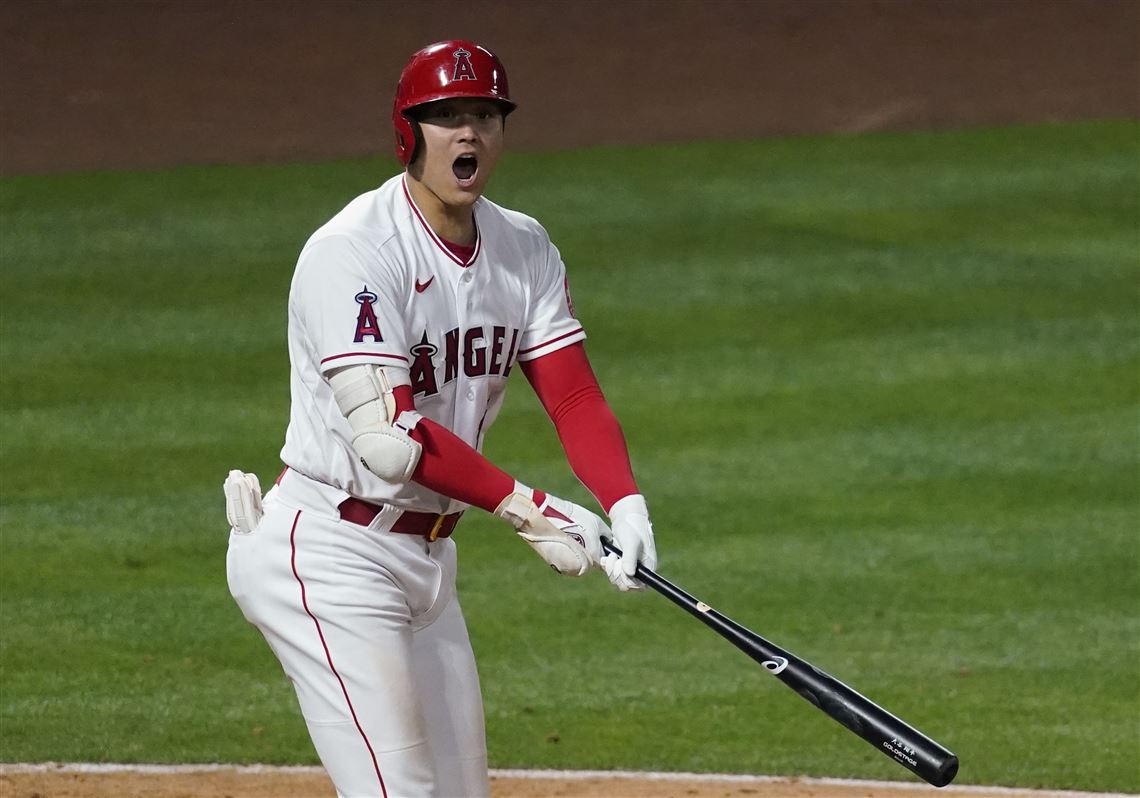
x=408 y=311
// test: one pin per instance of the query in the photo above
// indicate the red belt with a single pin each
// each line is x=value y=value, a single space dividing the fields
x=428 y=525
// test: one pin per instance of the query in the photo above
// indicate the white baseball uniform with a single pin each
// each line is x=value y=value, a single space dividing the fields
x=364 y=619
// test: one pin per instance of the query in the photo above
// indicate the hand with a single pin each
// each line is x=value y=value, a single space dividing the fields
x=633 y=534
x=568 y=537
x=243 y=501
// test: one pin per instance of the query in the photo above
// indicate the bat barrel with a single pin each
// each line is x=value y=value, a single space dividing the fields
x=889 y=734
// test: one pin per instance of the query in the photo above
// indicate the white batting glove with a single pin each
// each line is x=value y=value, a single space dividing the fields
x=243 y=501
x=633 y=534
x=568 y=537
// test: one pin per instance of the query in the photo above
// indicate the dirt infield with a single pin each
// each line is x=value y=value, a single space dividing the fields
x=308 y=783
x=120 y=83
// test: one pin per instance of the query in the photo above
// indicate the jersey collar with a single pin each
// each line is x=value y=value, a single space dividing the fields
x=436 y=239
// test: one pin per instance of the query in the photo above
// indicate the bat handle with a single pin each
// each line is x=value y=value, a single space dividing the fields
x=651 y=579
x=610 y=548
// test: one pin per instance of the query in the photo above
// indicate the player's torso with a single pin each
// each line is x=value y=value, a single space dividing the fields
x=462 y=325
x=462 y=322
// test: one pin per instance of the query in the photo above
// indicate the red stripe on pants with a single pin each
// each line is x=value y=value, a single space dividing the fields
x=328 y=656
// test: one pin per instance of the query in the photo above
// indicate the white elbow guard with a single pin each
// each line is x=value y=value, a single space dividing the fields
x=364 y=394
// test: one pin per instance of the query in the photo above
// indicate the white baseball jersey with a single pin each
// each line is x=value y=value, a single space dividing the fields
x=377 y=285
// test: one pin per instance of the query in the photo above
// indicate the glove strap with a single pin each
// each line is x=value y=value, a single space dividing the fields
x=516 y=506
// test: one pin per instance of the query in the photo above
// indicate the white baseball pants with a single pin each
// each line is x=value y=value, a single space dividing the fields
x=368 y=628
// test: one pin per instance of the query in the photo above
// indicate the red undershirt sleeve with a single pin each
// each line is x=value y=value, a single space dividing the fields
x=588 y=429
x=590 y=434
x=450 y=466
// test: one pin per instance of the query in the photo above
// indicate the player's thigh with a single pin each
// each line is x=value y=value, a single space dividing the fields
x=364 y=715
x=340 y=626
x=338 y=623
x=452 y=704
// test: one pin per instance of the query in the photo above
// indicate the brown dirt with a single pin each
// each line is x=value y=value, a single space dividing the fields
x=109 y=84
x=233 y=784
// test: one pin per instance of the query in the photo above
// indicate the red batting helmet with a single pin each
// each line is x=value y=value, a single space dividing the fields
x=452 y=68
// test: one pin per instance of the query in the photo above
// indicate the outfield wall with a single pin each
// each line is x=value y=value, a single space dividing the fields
x=112 y=84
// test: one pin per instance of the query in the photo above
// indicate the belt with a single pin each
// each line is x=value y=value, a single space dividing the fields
x=410 y=522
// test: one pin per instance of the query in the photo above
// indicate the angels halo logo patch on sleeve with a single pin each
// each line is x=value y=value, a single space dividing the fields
x=366 y=323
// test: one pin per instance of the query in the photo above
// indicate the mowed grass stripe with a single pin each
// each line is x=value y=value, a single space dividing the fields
x=881 y=392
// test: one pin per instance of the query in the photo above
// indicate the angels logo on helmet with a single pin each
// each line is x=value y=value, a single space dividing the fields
x=463 y=68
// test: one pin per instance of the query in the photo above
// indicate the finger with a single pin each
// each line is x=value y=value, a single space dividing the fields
x=627 y=585
x=649 y=558
x=612 y=565
x=629 y=558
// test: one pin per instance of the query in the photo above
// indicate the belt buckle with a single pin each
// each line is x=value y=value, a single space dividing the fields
x=436 y=527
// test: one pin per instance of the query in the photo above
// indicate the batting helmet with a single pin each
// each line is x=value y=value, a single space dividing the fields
x=440 y=71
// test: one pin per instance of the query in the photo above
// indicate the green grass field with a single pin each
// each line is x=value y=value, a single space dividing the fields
x=881 y=393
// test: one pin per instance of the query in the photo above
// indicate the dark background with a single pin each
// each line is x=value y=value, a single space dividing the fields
x=141 y=84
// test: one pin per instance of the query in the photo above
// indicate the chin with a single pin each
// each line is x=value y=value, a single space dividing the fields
x=465 y=195
x=462 y=197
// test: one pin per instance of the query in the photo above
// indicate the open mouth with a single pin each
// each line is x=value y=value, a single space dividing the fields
x=464 y=168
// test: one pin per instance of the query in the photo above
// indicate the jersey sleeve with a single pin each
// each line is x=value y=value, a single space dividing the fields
x=350 y=305
x=551 y=322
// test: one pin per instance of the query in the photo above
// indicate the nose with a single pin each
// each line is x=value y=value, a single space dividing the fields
x=467 y=126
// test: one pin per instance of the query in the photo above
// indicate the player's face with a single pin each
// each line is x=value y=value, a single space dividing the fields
x=463 y=139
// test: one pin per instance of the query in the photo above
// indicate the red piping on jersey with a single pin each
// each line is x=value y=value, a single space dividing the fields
x=364 y=354
x=461 y=251
x=439 y=241
x=552 y=340
x=328 y=656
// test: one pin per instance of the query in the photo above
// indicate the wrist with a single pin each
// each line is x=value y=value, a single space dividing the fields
x=516 y=506
x=634 y=504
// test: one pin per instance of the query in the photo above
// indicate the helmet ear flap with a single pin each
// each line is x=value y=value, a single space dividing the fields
x=407 y=138
x=418 y=147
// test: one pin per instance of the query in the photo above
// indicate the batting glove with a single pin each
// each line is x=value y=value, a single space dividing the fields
x=633 y=534
x=568 y=537
x=243 y=501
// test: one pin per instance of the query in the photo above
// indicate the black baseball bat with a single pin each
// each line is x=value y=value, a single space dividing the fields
x=893 y=737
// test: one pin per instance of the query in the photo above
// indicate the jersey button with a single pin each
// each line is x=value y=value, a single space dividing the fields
x=471 y=394
x=467 y=277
